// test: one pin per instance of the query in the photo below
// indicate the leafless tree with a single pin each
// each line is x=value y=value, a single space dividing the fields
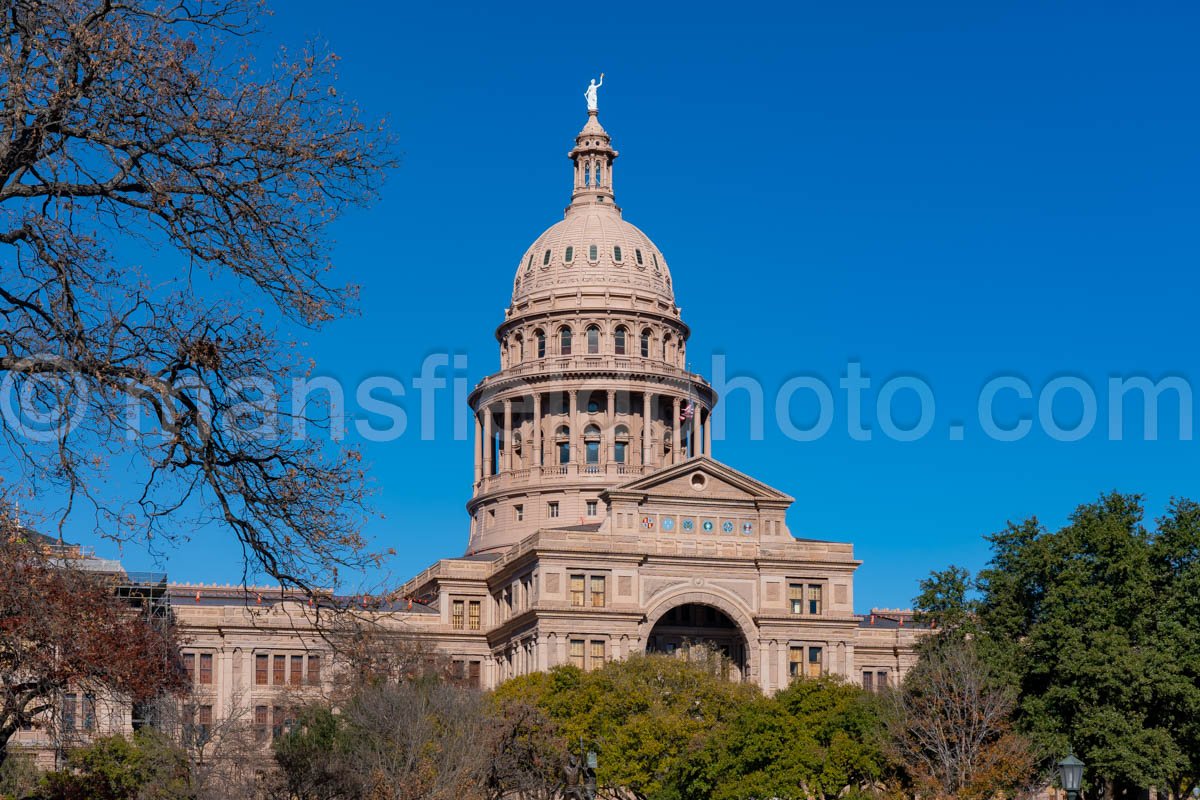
x=949 y=728
x=142 y=131
x=527 y=754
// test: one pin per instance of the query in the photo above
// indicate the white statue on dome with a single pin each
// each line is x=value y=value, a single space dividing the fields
x=591 y=93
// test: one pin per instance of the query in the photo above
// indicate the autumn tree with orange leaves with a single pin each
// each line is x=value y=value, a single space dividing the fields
x=63 y=629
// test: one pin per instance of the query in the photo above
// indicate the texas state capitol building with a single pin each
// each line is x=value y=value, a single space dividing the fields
x=600 y=523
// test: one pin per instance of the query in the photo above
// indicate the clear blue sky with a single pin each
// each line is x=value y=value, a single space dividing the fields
x=948 y=190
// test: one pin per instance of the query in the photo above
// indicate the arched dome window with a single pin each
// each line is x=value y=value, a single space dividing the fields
x=529 y=266
x=569 y=256
x=621 y=445
x=564 y=342
x=593 y=340
x=655 y=257
x=666 y=343
x=591 y=444
x=617 y=253
x=562 y=440
x=540 y=336
x=518 y=348
x=638 y=255
x=646 y=343
x=619 y=340
x=593 y=253
x=546 y=258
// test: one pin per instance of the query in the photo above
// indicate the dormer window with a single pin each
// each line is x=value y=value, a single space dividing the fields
x=569 y=256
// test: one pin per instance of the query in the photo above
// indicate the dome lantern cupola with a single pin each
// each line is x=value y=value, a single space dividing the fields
x=593 y=155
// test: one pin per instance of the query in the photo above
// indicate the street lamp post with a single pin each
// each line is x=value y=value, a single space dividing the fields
x=1070 y=774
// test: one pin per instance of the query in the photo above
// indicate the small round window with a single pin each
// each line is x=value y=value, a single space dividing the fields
x=699 y=481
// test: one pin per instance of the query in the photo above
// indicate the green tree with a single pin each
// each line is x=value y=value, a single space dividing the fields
x=647 y=716
x=1096 y=626
x=817 y=738
x=116 y=768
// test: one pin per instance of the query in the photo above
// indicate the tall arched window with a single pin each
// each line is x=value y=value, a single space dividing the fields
x=569 y=256
x=540 y=335
x=519 y=347
x=593 y=253
x=546 y=258
x=621 y=445
x=646 y=343
x=593 y=340
x=591 y=444
x=619 y=340
x=564 y=342
x=666 y=344
x=617 y=252
x=562 y=439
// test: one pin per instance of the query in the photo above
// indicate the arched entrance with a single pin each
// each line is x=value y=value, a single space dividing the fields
x=699 y=630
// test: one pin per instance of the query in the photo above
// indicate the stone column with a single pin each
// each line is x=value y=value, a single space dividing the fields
x=576 y=434
x=675 y=443
x=506 y=463
x=708 y=432
x=646 y=443
x=694 y=438
x=610 y=435
x=478 y=447
x=537 y=429
x=488 y=441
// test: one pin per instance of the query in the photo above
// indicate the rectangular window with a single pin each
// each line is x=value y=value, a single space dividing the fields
x=881 y=678
x=592 y=452
x=89 y=712
x=619 y=454
x=296 y=677
x=473 y=674
x=598 y=587
x=592 y=507
x=519 y=512
x=277 y=670
x=314 y=670
x=260 y=670
x=814 y=598
x=206 y=668
x=70 y=702
x=457 y=614
x=577 y=589
x=276 y=721
x=795 y=661
x=868 y=681
x=189 y=666
x=796 y=597
x=553 y=509
x=597 y=654
x=577 y=653
x=204 y=721
x=814 y=662
x=262 y=723
x=474 y=615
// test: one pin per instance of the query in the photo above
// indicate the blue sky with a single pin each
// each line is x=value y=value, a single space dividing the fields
x=952 y=191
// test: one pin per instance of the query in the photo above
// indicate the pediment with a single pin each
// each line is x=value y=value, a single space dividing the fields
x=700 y=478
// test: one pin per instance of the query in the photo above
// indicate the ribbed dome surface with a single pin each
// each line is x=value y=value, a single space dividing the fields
x=604 y=250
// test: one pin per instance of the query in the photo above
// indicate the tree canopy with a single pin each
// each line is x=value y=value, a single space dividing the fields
x=1095 y=627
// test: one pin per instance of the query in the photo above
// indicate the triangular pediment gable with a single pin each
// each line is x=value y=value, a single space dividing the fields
x=715 y=481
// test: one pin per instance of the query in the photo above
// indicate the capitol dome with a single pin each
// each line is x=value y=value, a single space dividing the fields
x=592 y=246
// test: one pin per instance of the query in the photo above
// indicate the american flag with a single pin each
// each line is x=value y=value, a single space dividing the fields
x=688 y=411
